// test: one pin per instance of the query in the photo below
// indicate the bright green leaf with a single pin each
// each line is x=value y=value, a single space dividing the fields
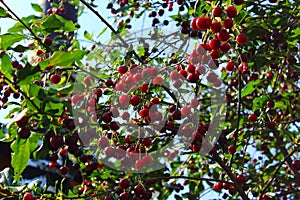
x=6 y=66
x=259 y=102
x=4 y=13
x=8 y=39
x=20 y=157
x=249 y=88
x=37 y=7
x=62 y=58
x=57 y=23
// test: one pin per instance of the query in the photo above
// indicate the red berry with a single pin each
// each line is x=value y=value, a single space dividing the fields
x=203 y=23
x=125 y=196
x=218 y=186
x=238 y=2
x=139 y=164
x=231 y=12
x=24 y=133
x=155 y=100
x=124 y=99
x=193 y=77
x=55 y=78
x=64 y=170
x=214 y=43
x=296 y=165
x=241 y=178
x=225 y=47
x=144 y=112
x=193 y=24
x=223 y=35
x=231 y=149
x=215 y=27
x=48 y=41
x=158 y=80
x=252 y=118
x=122 y=69
x=241 y=39
x=103 y=142
x=138 y=190
x=135 y=100
x=28 y=196
x=124 y=183
x=217 y=12
x=147 y=160
x=185 y=111
x=215 y=54
x=22 y=122
x=227 y=23
x=230 y=66
x=147 y=142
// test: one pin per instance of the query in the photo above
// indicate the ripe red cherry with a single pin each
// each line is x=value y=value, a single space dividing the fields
x=125 y=196
x=215 y=54
x=193 y=77
x=139 y=164
x=147 y=142
x=55 y=78
x=203 y=23
x=185 y=111
x=238 y=2
x=48 y=41
x=217 y=12
x=24 y=133
x=28 y=196
x=214 y=43
x=231 y=12
x=64 y=170
x=122 y=69
x=296 y=165
x=241 y=39
x=241 y=178
x=193 y=24
x=231 y=149
x=223 y=35
x=218 y=186
x=147 y=160
x=158 y=80
x=135 y=100
x=227 y=23
x=155 y=100
x=124 y=99
x=22 y=122
x=215 y=27
x=124 y=183
x=103 y=142
x=138 y=190
x=230 y=66
x=252 y=118
x=225 y=47
x=144 y=112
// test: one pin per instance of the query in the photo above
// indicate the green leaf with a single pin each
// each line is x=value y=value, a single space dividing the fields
x=259 y=102
x=20 y=157
x=26 y=74
x=281 y=104
x=6 y=67
x=101 y=32
x=8 y=39
x=19 y=48
x=88 y=36
x=249 y=88
x=62 y=58
x=57 y=23
x=37 y=7
x=4 y=13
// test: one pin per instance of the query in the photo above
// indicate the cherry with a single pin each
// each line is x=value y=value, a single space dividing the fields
x=296 y=165
x=265 y=197
x=252 y=118
x=56 y=141
x=193 y=77
x=217 y=12
x=185 y=111
x=215 y=27
x=87 y=81
x=238 y=2
x=124 y=183
x=55 y=78
x=103 y=142
x=64 y=170
x=241 y=178
x=227 y=23
x=138 y=190
x=22 y=122
x=232 y=190
x=48 y=41
x=203 y=23
x=214 y=43
x=52 y=165
x=107 y=117
x=231 y=149
x=193 y=24
x=139 y=164
x=122 y=69
x=28 y=196
x=135 y=100
x=231 y=12
x=125 y=196
x=158 y=80
x=229 y=66
x=147 y=142
x=218 y=186
x=124 y=99
x=242 y=39
x=24 y=133
x=147 y=160
x=144 y=112
x=223 y=35
x=226 y=186
x=155 y=100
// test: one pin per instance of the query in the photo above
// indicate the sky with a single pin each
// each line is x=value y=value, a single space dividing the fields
x=87 y=21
